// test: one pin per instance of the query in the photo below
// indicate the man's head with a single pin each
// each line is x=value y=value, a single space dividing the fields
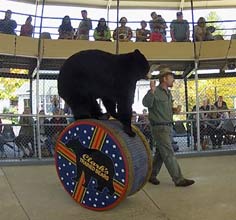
x=220 y=98
x=179 y=15
x=123 y=21
x=154 y=15
x=84 y=13
x=166 y=76
x=8 y=14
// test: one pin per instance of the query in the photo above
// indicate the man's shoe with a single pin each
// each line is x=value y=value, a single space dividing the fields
x=185 y=182
x=154 y=181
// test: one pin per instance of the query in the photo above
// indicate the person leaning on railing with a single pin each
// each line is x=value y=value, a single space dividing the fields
x=66 y=31
x=27 y=28
x=102 y=31
x=124 y=33
x=142 y=34
x=84 y=27
x=7 y=25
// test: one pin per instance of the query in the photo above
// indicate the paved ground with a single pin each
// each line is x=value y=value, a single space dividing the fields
x=35 y=193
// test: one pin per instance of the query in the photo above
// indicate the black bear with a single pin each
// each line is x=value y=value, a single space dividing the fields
x=93 y=163
x=92 y=74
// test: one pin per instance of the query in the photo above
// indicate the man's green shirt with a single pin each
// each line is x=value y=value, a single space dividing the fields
x=159 y=105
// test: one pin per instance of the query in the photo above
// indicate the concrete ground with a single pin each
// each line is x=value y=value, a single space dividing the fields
x=35 y=193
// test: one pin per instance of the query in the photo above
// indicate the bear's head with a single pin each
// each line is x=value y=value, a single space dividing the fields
x=140 y=65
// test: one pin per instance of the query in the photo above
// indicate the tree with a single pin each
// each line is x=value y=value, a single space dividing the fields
x=213 y=18
x=8 y=86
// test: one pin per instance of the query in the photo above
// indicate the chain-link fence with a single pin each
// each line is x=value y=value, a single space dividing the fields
x=32 y=135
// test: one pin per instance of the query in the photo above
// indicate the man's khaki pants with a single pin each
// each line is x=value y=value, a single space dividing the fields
x=164 y=153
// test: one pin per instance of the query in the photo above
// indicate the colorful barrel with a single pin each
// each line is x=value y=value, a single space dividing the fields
x=99 y=165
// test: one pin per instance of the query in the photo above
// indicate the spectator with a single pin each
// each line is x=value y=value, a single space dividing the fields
x=143 y=124
x=179 y=29
x=221 y=104
x=157 y=26
x=7 y=25
x=84 y=27
x=201 y=31
x=124 y=33
x=26 y=134
x=58 y=124
x=27 y=28
x=142 y=34
x=45 y=133
x=66 y=31
x=102 y=32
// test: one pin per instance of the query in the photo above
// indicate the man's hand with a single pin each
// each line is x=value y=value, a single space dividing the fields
x=153 y=86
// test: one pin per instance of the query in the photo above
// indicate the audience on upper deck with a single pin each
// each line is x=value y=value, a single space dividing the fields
x=7 y=25
x=179 y=29
x=142 y=34
x=102 y=31
x=66 y=31
x=201 y=31
x=123 y=32
x=84 y=27
x=27 y=28
x=157 y=26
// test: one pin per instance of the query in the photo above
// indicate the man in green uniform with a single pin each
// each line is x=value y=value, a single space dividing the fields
x=159 y=102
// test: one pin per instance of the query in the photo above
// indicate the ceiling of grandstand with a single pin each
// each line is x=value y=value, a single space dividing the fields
x=144 y=4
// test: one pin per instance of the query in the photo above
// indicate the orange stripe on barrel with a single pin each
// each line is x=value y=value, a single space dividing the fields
x=98 y=138
x=64 y=150
x=79 y=188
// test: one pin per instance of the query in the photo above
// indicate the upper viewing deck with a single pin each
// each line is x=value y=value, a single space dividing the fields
x=22 y=52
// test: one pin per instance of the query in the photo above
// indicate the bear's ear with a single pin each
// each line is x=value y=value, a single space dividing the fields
x=137 y=51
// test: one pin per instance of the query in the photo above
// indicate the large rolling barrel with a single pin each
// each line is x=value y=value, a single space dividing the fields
x=99 y=165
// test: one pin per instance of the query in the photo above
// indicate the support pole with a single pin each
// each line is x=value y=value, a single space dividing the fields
x=117 y=25
x=37 y=82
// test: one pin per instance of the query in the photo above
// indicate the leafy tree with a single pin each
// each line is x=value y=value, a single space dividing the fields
x=8 y=86
x=214 y=18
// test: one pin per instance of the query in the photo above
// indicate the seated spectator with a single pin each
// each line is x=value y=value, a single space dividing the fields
x=57 y=124
x=221 y=104
x=143 y=124
x=84 y=27
x=45 y=35
x=179 y=29
x=201 y=31
x=26 y=134
x=27 y=28
x=102 y=32
x=66 y=31
x=124 y=33
x=157 y=26
x=45 y=134
x=7 y=25
x=142 y=34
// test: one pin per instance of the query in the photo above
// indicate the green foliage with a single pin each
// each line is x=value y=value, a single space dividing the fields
x=213 y=16
x=207 y=88
x=8 y=86
x=11 y=110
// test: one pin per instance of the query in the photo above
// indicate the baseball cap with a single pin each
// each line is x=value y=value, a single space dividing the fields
x=179 y=13
x=165 y=71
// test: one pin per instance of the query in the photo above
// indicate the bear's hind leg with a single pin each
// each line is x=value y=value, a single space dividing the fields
x=125 y=115
x=110 y=107
x=96 y=111
x=80 y=107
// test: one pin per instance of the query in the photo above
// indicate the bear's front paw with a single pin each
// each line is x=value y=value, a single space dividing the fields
x=129 y=131
x=104 y=116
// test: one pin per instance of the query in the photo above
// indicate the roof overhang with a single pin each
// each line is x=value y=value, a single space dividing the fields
x=141 y=4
